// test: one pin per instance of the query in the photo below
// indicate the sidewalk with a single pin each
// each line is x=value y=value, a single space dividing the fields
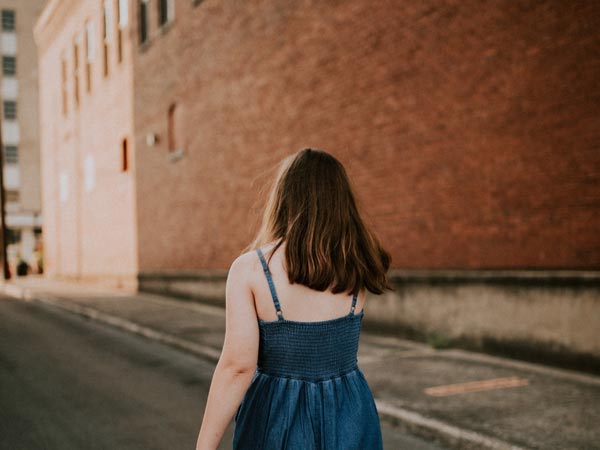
x=460 y=398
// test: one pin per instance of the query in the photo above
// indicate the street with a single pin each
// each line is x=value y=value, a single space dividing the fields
x=407 y=188
x=67 y=383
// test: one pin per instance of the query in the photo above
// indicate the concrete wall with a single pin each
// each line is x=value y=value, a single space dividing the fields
x=540 y=315
x=550 y=316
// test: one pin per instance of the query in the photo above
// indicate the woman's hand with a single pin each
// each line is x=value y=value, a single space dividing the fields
x=238 y=359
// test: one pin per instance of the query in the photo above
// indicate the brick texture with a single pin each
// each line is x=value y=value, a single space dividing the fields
x=470 y=129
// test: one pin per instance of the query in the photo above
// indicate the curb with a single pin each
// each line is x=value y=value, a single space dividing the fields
x=448 y=435
x=454 y=437
x=116 y=322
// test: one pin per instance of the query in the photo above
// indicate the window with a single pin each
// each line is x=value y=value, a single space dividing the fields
x=10 y=109
x=124 y=155
x=63 y=74
x=165 y=11
x=172 y=138
x=76 y=73
x=122 y=19
x=89 y=54
x=107 y=24
x=12 y=196
x=8 y=43
x=123 y=13
x=8 y=20
x=143 y=21
x=9 y=65
x=11 y=154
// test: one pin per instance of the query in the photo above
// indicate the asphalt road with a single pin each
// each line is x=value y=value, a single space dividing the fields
x=68 y=383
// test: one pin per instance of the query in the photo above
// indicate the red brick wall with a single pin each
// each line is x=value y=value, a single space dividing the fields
x=469 y=129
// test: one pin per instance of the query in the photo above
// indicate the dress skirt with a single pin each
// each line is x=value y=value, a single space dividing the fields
x=280 y=412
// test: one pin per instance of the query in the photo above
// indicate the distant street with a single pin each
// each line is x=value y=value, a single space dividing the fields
x=67 y=383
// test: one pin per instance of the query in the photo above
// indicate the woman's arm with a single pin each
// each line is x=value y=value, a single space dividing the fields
x=237 y=362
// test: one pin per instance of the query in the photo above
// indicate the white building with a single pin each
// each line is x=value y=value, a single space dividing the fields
x=20 y=130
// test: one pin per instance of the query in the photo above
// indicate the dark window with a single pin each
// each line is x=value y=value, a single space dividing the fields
x=8 y=20
x=119 y=45
x=89 y=52
x=143 y=21
x=163 y=11
x=10 y=109
x=105 y=58
x=122 y=19
x=9 y=65
x=63 y=74
x=12 y=196
x=11 y=154
x=106 y=32
x=172 y=137
x=76 y=73
x=13 y=235
x=124 y=156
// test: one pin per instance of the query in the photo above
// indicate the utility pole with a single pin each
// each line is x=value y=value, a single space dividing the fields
x=3 y=234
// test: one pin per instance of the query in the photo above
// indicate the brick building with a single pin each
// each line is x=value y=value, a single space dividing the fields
x=469 y=129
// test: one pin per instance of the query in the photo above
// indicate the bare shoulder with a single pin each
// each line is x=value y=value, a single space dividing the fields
x=245 y=265
x=250 y=263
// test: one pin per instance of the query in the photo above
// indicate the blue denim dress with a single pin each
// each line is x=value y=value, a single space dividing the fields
x=308 y=391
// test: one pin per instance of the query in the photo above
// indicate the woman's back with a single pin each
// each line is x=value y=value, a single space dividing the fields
x=299 y=302
x=288 y=373
x=307 y=392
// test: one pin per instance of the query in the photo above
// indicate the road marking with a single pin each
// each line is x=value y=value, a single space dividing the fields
x=475 y=386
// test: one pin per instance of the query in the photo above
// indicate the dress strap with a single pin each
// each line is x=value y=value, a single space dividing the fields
x=271 y=285
x=353 y=304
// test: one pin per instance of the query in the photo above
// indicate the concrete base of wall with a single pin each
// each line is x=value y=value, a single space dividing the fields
x=205 y=286
x=546 y=316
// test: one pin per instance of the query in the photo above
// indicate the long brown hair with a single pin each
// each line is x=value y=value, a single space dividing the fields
x=311 y=207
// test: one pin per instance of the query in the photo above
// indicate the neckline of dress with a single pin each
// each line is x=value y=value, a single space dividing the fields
x=313 y=322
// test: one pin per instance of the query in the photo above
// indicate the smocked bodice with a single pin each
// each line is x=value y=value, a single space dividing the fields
x=309 y=350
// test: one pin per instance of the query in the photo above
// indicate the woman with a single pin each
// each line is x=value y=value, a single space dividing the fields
x=288 y=372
